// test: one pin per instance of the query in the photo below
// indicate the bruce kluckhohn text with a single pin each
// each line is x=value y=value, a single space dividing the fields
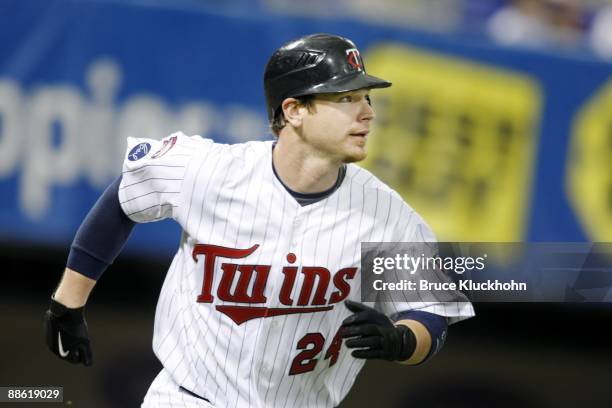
x=462 y=285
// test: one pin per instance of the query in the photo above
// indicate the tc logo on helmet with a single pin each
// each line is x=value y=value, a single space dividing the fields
x=354 y=59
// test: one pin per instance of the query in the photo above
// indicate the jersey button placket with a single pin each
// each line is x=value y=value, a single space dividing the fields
x=297 y=222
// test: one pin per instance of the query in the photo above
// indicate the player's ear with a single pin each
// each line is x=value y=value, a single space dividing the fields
x=293 y=111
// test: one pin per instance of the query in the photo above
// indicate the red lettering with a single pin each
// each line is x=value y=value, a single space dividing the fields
x=211 y=252
x=340 y=282
x=333 y=350
x=306 y=361
x=315 y=283
x=241 y=314
x=285 y=293
x=241 y=294
x=310 y=273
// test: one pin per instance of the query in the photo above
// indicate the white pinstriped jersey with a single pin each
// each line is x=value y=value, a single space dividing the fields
x=249 y=311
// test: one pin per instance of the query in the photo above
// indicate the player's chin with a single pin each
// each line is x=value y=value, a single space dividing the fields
x=355 y=155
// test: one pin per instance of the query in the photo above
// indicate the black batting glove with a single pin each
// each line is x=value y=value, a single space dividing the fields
x=375 y=336
x=66 y=333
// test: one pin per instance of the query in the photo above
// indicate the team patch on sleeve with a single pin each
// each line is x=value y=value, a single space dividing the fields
x=167 y=145
x=139 y=151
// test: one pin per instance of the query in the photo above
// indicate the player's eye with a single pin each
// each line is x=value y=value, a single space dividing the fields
x=369 y=100
x=346 y=98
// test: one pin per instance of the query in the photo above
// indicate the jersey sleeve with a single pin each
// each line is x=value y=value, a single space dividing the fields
x=152 y=176
x=454 y=305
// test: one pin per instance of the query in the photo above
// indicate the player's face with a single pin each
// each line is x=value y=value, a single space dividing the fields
x=339 y=124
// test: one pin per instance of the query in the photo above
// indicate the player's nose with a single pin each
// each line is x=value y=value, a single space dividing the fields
x=367 y=112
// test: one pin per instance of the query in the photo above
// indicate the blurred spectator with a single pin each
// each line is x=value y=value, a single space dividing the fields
x=519 y=23
x=566 y=18
x=601 y=33
x=430 y=15
x=557 y=23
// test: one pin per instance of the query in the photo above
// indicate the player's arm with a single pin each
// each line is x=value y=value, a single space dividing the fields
x=97 y=243
x=413 y=338
x=149 y=190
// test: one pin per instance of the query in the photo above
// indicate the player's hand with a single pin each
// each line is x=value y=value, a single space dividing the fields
x=375 y=336
x=66 y=333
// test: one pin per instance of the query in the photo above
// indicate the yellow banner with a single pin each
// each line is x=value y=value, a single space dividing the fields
x=457 y=139
x=589 y=178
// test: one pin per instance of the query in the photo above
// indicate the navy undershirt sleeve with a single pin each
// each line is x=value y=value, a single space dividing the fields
x=101 y=236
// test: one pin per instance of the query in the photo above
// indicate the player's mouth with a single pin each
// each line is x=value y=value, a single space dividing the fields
x=362 y=133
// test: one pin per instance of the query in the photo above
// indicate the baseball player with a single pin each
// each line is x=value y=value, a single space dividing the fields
x=261 y=304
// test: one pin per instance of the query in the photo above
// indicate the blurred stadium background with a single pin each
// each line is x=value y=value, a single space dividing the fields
x=498 y=128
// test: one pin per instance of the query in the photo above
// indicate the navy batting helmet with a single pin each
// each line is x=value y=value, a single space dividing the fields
x=315 y=64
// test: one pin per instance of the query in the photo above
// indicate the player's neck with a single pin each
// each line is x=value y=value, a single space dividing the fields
x=303 y=171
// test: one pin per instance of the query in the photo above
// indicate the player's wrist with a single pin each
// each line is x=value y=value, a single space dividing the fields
x=407 y=343
x=65 y=313
x=421 y=342
x=74 y=289
x=61 y=300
